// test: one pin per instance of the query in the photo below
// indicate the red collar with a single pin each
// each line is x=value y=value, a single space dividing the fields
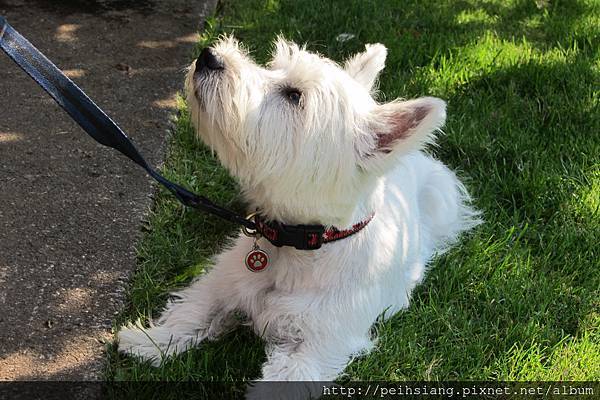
x=304 y=237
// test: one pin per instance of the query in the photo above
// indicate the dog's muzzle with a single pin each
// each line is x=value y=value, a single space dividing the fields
x=208 y=61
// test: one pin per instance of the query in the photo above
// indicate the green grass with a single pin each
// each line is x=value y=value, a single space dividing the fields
x=519 y=299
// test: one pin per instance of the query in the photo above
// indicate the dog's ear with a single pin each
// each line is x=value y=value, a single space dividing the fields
x=402 y=126
x=365 y=67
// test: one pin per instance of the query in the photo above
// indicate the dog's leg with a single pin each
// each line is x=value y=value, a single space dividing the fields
x=310 y=366
x=195 y=314
x=311 y=361
x=309 y=340
x=201 y=311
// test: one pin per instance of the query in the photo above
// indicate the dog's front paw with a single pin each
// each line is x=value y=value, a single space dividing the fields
x=152 y=344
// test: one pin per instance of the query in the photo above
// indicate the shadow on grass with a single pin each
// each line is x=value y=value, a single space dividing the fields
x=526 y=134
x=416 y=30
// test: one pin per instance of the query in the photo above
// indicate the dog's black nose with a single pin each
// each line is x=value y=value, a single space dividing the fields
x=207 y=59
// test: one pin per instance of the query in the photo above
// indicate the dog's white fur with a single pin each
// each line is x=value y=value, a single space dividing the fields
x=332 y=159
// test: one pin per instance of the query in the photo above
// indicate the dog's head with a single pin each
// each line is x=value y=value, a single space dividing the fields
x=304 y=135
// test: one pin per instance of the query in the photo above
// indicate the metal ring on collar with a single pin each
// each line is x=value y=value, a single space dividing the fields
x=248 y=232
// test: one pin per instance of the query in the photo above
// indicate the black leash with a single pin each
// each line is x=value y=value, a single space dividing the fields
x=93 y=120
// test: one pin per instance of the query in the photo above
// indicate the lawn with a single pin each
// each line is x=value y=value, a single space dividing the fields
x=519 y=298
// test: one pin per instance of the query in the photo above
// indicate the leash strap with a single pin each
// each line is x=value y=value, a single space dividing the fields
x=92 y=119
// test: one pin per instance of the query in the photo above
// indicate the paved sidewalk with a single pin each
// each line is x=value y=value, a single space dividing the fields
x=70 y=209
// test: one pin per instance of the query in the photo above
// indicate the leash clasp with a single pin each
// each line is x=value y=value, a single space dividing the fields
x=246 y=230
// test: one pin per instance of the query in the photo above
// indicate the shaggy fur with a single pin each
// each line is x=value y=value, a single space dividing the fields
x=332 y=158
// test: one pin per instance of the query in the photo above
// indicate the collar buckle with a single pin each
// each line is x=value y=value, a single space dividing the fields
x=302 y=237
x=312 y=237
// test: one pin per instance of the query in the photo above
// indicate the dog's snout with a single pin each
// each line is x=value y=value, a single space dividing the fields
x=208 y=60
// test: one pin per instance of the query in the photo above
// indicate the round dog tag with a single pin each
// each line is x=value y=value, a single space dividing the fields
x=257 y=260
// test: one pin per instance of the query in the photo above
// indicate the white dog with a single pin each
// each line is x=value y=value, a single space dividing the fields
x=310 y=145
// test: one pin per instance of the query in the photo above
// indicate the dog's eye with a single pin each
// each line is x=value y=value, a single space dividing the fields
x=293 y=95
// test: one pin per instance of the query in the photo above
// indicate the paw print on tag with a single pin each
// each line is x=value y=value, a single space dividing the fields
x=257 y=260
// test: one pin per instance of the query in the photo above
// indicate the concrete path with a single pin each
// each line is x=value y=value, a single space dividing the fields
x=70 y=209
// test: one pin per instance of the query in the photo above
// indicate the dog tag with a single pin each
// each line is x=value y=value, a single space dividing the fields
x=257 y=259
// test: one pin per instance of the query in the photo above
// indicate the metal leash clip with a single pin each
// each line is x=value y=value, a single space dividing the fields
x=247 y=231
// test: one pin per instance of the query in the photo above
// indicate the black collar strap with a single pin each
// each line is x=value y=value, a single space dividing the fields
x=106 y=132
x=304 y=237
